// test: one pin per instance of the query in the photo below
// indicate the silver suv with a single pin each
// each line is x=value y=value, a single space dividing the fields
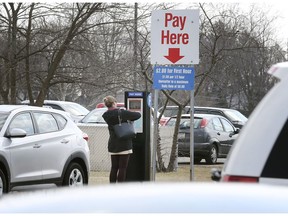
x=40 y=145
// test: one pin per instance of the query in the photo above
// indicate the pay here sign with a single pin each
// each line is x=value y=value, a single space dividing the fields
x=175 y=37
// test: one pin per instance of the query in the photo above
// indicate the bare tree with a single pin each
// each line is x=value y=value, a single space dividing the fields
x=82 y=13
x=230 y=37
x=8 y=80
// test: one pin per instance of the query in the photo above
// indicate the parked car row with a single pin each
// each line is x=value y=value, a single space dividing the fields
x=213 y=139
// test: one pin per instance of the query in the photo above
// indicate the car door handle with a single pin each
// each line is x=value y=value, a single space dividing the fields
x=64 y=141
x=36 y=146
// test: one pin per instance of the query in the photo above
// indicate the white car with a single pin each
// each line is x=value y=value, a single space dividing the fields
x=75 y=110
x=146 y=198
x=39 y=146
x=259 y=154
x=94 y=117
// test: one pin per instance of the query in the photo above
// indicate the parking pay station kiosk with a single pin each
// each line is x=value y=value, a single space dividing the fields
x=139 y=162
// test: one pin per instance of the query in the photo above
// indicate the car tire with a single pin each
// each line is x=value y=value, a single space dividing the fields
x=3 y=183
x=212 y=157
x=74 y=176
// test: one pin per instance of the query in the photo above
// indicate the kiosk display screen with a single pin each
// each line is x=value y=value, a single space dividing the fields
x=136 y=105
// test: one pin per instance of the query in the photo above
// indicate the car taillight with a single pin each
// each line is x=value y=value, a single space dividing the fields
x=85 y=136
x=162 y=122
x=248 y=179
x=203 y=123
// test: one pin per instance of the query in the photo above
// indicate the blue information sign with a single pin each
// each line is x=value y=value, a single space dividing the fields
x=173 y=78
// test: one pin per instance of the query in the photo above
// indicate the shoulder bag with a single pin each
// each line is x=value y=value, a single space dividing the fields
x=124 y=130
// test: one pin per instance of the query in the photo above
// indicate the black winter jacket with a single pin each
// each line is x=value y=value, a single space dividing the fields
x=111 y=117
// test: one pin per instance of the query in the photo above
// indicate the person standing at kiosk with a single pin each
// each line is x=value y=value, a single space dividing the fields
x=119 y=150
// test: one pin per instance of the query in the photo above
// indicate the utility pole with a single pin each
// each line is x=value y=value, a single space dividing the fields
x=135 y=45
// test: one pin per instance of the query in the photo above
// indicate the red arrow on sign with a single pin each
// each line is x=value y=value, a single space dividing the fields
x=174 y=55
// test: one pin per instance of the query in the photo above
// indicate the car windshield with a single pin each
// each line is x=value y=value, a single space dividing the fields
x=76 y=109
x=172 y=121
x=95 y=116
x=235 y=116
x=185 y=122
x=3 y=117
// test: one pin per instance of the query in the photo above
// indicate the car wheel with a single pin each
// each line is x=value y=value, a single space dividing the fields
x=212 y=157
x=74 y=176
x=3 y=183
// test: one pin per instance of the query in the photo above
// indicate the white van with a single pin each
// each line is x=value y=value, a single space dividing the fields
x=259 y=154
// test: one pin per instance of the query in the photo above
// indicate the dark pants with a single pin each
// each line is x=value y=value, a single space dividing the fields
x=118 y=168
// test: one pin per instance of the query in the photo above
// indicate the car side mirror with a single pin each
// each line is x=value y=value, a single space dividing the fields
x=16 y=132
x=237 y=130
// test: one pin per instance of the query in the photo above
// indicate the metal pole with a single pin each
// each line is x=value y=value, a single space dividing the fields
x=135 y=45
x=155 y=134
x=192 y=136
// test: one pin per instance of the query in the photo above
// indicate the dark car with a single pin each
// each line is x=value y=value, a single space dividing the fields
x=213 y=137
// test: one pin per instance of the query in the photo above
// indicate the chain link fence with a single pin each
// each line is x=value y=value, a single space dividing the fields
x=98 y=141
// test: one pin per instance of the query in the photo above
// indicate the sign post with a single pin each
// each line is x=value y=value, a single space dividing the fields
x=174 y=41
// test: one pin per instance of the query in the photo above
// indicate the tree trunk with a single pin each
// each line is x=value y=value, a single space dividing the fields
x=174 y=150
